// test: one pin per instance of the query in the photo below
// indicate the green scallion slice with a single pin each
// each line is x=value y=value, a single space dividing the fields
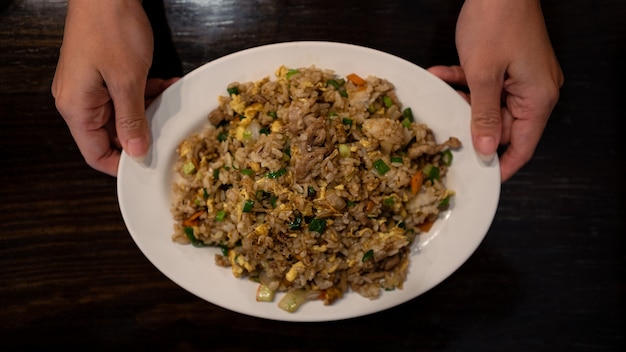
x=431 y=172
x=446 y=157
x=368 y=255
x=291 y=72
x=296 y=223
x=276 y=174
x=444 y=202
x=221 y=215
x=408 y=114
x=381 y=167
x=233 y=90
x=273 y=200
x=387 y=101
x=247 y=205
x=192 y=238
x=317 y=225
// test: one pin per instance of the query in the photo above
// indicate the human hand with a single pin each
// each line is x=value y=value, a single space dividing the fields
x=101 y=79
x=513 y=76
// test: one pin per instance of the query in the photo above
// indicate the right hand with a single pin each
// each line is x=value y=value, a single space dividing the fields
x=101 y=77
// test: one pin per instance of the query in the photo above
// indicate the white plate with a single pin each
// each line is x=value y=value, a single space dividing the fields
x=144 y=189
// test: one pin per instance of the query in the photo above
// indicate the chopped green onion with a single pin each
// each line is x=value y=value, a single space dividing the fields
x=317 y=225
x=337 y=85
x=273 y=200
x=205 y=194
x=189 y=168
x=276 y=174
x=216 y=173
x=446 y=157
x=444 y=202
x=273 y=114
x=221 y=215
x=350 y=203
x=222 y=137
x=264 y=130
x=247 y=205
x=388 y=201
x=233 y=90
x=431 y=172
x=347 y=121
x=287 y=151
x=224 y=249
x=344 y=150
x=406 y=123
x=247 y=134
x=311 y=191
x=381 y=167
x=397 y=159
x=247 y=172
x=368 y=255
x=408 y=114
x=387 y=101
x=296 y=223
x=334 y=83
x=291 y=72
x=192 y=238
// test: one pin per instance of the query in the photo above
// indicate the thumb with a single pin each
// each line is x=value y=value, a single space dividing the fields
x=486 y=124
x=130 y=120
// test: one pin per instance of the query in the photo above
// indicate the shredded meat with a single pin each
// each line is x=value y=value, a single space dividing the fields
x=416 y=150
x=217 y=116
x=316 y=132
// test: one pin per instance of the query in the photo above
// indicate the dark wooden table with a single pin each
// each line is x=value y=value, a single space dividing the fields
x=549 y=275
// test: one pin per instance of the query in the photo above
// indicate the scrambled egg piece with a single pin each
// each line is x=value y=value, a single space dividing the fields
x=251 y=111
x=237 y=104
x=293 y=272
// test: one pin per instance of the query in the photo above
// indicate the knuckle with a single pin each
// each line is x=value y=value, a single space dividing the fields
x=131 y=122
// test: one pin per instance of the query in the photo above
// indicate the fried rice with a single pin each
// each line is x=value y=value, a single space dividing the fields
x=311 y=184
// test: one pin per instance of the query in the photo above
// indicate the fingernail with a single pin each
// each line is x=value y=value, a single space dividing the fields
x=137 y=148
x=487 y=160
x=486 y=149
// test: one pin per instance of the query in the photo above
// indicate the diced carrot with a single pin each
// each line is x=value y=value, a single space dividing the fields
x=370 y=206
x=425 y=227
x=416 y=182
x=356 y=79
x=193 y=219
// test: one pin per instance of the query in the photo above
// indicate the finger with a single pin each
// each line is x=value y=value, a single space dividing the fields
x=486 y=124
x=130 y=117
x=507 y=125
x=156 y=86
x=93 y=139
x=450 y=74
x=525 y=135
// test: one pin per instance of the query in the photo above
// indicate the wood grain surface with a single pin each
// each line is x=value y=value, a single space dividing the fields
x=549 y=275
